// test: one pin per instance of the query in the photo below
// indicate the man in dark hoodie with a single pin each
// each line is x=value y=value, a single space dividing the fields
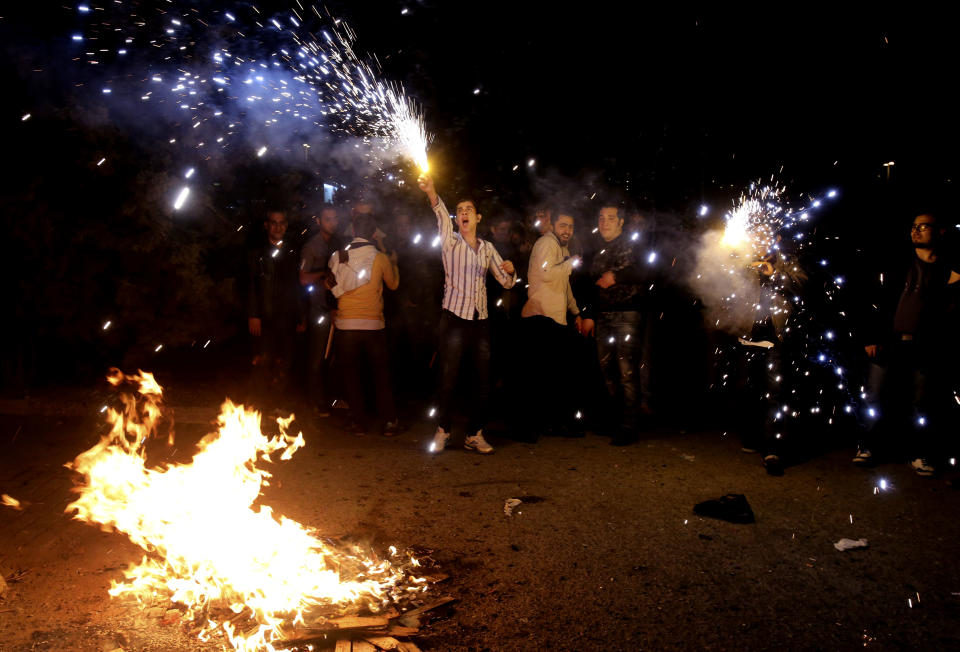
x=619 y=287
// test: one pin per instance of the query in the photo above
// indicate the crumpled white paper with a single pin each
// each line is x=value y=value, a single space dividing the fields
x=850 y=544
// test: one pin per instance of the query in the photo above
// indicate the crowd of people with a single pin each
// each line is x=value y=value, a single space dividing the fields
x=553 y=328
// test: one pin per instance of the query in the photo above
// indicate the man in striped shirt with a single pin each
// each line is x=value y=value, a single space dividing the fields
x=464 y=327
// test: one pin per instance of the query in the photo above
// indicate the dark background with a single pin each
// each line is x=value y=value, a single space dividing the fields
x=666 y=107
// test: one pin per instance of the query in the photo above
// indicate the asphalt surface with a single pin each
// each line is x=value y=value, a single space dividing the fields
x=603 y=553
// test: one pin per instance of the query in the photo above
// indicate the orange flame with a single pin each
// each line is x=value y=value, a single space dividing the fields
x=207 y=545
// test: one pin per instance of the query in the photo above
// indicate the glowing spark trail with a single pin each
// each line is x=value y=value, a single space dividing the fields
x=236 y=74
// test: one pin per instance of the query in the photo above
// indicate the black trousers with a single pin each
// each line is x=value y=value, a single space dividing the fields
x=363 y=353
x=462 y=339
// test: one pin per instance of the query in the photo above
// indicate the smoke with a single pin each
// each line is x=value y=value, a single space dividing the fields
x=213 y=91
x=729 y=290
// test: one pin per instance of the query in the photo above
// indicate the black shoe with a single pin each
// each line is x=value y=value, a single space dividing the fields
x=392 y=428
x=732 y=507
x=772 y=464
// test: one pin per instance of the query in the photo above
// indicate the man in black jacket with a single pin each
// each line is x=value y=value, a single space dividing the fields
x=907 y=341
x=275 y=307
x=617 y=310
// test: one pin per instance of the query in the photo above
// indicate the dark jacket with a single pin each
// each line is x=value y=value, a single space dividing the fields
x=631 y=291
x=274 y=284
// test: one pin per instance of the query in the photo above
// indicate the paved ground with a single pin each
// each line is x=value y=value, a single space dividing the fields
x=604 y=554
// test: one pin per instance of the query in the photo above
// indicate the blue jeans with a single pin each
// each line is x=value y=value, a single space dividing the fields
x=460 y=338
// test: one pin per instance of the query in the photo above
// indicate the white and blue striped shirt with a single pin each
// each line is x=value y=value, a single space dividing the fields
x=465 y=270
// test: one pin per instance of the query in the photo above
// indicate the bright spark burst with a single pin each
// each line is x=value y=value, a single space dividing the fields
x=181 y=198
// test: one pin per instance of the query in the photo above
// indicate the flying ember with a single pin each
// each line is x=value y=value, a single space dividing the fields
x=207 y=546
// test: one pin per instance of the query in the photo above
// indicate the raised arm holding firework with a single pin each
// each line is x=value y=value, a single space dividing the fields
x=464 y=324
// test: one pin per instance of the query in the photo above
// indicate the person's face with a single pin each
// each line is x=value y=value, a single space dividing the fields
x=609 y=223
x=501 y=231
x=467 y=217
x=541 y=221
x=922 y=231
x=563 y=228
x=276 y=224
x=363 y=208
x=328 y=221
x=402 y=226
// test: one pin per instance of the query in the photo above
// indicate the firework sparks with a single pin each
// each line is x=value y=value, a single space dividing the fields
x=280 y=73
x=753 y=283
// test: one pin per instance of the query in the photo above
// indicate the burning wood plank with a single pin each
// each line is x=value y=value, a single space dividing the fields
x=357 y=622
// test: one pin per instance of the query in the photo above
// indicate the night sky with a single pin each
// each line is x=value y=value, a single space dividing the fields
x=665 y=108
x=672 y=104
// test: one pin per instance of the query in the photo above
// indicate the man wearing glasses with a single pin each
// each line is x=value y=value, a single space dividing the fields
x=908 y=352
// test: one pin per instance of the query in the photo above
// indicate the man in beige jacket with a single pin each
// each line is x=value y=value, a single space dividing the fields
x=550 y=385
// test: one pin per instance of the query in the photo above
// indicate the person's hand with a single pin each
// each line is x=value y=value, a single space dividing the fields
x=607 y=279
x=507 y=267
x=426 y=185
x=584 y=326
x=302 y=326
x=765 y=267
x=253 y=324
x=329 y=280
x=872 y=350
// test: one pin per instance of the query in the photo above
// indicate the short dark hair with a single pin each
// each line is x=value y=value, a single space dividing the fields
x=559 y=212
x=610 y=204
x=476 y=206
x=364 y=225
x=327 y=206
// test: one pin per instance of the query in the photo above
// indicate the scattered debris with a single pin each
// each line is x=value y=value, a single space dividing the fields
x=363 y=633
x=10 y=501
x=510 y=505
x=733 y=508
x=850 y=544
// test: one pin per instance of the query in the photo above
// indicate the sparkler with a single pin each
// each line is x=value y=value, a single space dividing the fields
x=752 y=272
x=227 y=76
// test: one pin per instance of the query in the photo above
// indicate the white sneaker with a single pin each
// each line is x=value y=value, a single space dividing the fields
x=477 y=443
x=439 y=440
